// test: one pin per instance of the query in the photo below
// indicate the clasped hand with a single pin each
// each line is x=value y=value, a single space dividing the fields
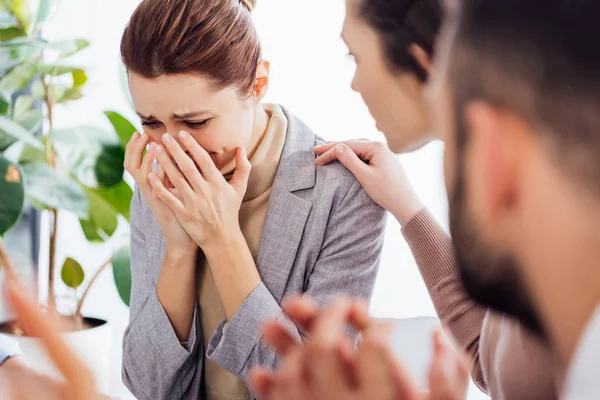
x=190 y=198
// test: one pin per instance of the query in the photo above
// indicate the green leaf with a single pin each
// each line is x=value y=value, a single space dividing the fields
x=38 y=91
x=119 y=197
x=22 y=105
x=58 y=70
x=72 y=274
x=18 y=132
x=31 y=120
x=68 y=48
x=121 y=261
x=11 y=33
x=102 y=222
x=12 y=200
x=20 y=9
x=89 y=154
x=70 y=94
x=50 y=188
x=7 y=20
x=123 y=127
x=18 y=77
x=43 y=12
x=109 y=165
x=29 y=154
x=79 y=78
x=4 y=103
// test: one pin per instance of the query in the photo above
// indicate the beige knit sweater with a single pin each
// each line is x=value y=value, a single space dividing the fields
x=508 y=362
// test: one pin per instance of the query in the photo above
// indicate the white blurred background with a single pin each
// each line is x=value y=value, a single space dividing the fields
x=311 y=76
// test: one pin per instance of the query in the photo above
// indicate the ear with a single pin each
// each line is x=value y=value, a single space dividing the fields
x=494 y=158
x=261 y=83
x=421 y=56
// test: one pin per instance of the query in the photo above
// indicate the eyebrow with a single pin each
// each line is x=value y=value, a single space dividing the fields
x=175 y=116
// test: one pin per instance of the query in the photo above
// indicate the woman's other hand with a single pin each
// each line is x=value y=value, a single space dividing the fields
x=206 y=205
x=140 y=168
x=380 y=173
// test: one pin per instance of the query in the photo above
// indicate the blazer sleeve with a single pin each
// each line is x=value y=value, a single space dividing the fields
x=432 y=248
x=347 y=265
x=155 y=364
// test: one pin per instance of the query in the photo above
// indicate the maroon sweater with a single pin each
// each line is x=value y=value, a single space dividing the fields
x=508 y=362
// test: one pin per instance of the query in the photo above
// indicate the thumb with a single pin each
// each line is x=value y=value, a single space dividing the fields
x=352 y=162
x=239 y=180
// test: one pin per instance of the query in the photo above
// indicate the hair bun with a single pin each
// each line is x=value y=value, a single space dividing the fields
x=249 y=4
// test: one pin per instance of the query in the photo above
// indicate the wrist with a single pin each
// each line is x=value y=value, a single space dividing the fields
x=406 y=210
x=175 y=254
x=230 y=241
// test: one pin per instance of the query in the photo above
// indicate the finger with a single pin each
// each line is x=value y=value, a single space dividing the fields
x=165 y=195
x=202 y=158
x=290 y=382
x=175 y=176
x=277 y=336
x=148 y=161
x=79 y=376
x=379 y=375
x=136 y=151
x=348 y=158
x=323 y=347
x=186 y=165
x=362 y=148
x=359 y=316
x=261 y=381
x=239 y=180
x=302 y=310
x=132 y=140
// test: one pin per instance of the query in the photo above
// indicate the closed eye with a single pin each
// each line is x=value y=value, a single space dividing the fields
x=196 y=124
x=152 y=124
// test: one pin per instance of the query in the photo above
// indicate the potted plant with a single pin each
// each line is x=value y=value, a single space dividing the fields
x=78 y=170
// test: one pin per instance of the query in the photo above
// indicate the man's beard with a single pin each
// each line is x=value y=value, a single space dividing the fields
x=490 y=277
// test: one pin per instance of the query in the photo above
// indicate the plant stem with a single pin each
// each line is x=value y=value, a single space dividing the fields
x=87 y=289
x=51 y=160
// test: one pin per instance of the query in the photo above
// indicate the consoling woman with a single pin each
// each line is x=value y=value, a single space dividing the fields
x=230 y=212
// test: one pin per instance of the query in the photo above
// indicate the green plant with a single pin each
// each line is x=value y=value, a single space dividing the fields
x=77 y=170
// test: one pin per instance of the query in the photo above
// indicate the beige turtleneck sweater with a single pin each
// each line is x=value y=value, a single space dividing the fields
x=220 y=384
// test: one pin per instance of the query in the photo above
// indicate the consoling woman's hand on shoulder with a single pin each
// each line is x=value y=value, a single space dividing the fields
x=206 y=205
x=140 y=167
x=380 y=173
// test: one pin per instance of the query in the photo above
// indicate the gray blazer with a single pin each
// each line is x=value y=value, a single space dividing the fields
x=322 y=236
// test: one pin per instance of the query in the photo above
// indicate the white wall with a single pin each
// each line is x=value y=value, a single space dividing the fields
x=310 y=75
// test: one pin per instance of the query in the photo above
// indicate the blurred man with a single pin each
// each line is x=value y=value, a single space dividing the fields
x=516 y=97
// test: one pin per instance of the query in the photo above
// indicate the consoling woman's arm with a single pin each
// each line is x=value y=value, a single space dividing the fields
x=347 y=265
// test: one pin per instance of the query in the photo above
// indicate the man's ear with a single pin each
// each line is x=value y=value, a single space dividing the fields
x=261 y=83
x=493 y=162
x=421 y=56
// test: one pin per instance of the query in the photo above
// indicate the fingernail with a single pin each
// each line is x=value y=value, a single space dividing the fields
x=135 y=134
x=339 y=149
x=141 y=136
x=151 y=177
x=183 y=135
x=244 y=153
x=166 y=138
x=159 y=149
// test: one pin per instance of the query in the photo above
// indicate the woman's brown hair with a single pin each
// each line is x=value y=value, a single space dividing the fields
x=215 y=38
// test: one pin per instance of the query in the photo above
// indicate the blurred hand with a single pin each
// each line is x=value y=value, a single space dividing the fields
x=140 y=167
x=326 y=367
x=22 y=383
x=380 y=173
x=207 y=206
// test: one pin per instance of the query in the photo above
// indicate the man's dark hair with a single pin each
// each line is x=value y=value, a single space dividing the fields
x=400 y=23
x=540 y=60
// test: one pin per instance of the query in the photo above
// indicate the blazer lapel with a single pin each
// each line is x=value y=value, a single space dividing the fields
x=287 y=213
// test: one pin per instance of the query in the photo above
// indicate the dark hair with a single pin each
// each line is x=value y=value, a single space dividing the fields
x=539 y=62
x=212 y=37
x=400 y=23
